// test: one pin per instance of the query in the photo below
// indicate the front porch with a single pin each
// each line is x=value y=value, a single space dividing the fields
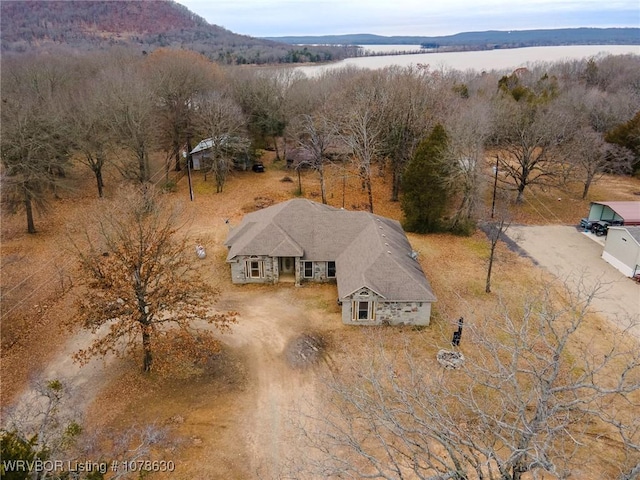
x=287 y=270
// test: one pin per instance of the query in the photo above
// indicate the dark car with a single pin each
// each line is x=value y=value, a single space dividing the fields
x=586 y=223
x=258 y=167
x=600 y=227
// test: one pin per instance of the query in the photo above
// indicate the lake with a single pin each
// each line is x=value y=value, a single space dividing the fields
x=506 y=59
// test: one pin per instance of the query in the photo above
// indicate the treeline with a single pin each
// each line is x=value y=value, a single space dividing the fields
x=83 y=26
x=486 y=39
x=429 y=131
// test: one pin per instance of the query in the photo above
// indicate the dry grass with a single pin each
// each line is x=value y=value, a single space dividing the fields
x=212 y=441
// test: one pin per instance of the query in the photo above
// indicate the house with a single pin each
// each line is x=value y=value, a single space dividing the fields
x=625 y=213
x=622 y=249
x=378 y=276
x=235 y=147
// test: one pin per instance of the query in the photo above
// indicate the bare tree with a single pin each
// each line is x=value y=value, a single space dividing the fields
x=134 y=443
x=526 y=402
x=409 y=114
x=140 y=283
x=225 y=125
x=89 y=131
x=45 y=420
x=263 y=97
x=594 y=113
x=128 y=107
x=495 y=230
x=361 y=125
x=179 y=76
x=529 y=128
x=315 y=135
x=34 y=132
x=469 y=127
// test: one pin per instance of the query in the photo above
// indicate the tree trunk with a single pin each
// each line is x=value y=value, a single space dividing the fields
x=585 y=191
x=323 y=187
x=147 y=167
x=176 y=154
x=31 y=227
x=146 y=345
x=98 y=172
x=520 y=197
x=487 y=287
x=370 y=194
x=395 y=184
x=275 y=144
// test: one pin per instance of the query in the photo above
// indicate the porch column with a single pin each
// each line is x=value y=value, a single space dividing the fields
x=276 y=269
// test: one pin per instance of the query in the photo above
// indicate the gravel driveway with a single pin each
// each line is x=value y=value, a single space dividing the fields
x=566 y=252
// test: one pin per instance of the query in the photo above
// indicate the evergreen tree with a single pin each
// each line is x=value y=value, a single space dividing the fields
x=425 y=193
x=627 y=135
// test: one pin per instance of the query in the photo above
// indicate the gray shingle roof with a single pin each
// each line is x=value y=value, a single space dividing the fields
x=369 y=250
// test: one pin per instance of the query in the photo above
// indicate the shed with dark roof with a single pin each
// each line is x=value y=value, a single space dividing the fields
x=369 y=257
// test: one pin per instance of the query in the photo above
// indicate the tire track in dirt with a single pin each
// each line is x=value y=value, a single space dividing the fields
x=267 y=321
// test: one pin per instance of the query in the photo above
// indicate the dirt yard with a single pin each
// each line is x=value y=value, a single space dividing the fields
x=232 y=420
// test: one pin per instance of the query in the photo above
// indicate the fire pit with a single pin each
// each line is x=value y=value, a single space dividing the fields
x=450 y=360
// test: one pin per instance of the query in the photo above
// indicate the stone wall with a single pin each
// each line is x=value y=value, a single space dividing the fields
x=403 y=313
x=392 y=313
x=319 y=272
x=269 y=270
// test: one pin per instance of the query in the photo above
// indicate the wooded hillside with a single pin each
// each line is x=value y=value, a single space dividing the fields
x=144 y=25
x=485 y=40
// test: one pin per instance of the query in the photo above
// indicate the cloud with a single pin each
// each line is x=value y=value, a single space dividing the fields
x=409 y=17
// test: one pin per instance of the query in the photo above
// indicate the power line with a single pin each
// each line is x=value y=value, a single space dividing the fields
x=38 y=288
x=42 y=268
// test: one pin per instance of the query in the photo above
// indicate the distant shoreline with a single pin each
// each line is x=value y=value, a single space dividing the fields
x=507 y=59
x=478 y=41
x=469 y=48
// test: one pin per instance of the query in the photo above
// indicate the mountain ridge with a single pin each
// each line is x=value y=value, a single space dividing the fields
x=483 y=39
x=86 y=25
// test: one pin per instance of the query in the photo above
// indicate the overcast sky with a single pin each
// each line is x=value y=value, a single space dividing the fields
x=262 y=18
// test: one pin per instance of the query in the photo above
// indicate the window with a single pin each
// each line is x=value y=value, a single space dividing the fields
x=308 y=269
x=331 y=269
x=362 y=311
x=254 y=269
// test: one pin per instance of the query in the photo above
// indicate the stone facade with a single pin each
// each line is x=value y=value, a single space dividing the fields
x=319 y=271
x=254 y=269
x=403 y=313
x=368 y=257
x=379 y=311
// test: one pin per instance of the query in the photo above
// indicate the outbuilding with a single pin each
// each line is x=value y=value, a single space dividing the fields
x=624 y=213
x=622 y=249
x=237 y=148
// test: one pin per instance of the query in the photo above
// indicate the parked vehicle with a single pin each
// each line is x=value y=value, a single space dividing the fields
x=258 y=167
x=599 y=227
x=586 y=224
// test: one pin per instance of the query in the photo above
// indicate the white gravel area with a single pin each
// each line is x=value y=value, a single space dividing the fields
x=568 y=253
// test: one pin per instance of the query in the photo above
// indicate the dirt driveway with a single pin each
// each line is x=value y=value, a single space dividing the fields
x=568 y=253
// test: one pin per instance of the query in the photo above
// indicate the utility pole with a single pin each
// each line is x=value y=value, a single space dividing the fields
x=344 y=181
x=189 y=167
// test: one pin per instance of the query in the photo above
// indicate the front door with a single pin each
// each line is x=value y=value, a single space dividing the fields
x=287 y=265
